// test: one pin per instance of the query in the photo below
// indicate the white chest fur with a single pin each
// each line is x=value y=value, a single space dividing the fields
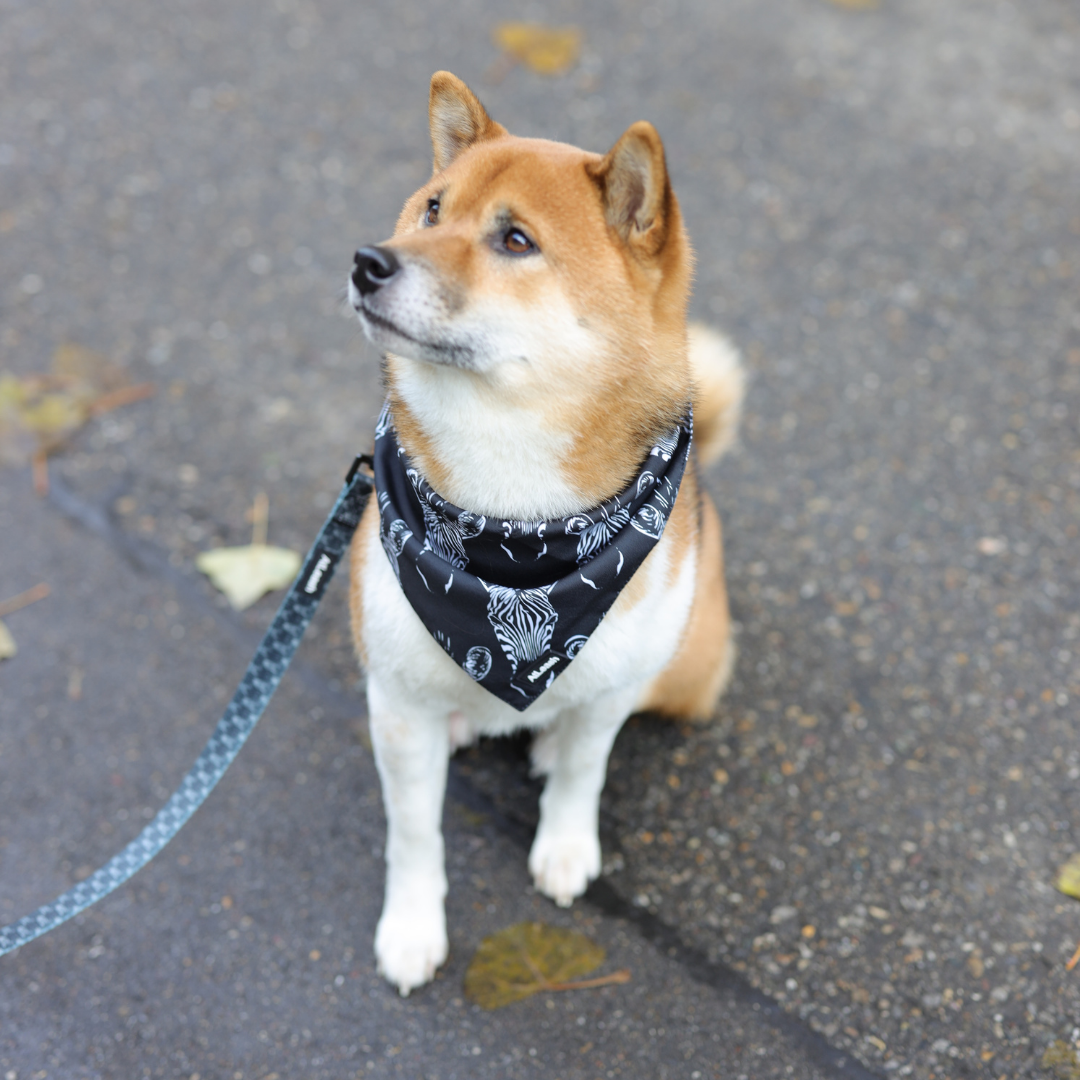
x=501 y=453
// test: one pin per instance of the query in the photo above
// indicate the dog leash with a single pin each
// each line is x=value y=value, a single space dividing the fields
x=272 y=657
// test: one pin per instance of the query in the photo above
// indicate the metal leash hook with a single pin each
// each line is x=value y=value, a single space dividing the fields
x=275 y=651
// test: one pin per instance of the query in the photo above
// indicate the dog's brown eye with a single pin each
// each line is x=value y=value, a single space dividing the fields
x=431 y=215
x=517 y=242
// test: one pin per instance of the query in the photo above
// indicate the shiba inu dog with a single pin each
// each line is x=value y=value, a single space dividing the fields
x=541 y=553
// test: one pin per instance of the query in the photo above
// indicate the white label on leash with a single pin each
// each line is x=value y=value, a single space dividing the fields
x=322 y=564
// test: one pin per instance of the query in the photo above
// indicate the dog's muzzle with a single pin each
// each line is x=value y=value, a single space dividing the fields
x=375 y=267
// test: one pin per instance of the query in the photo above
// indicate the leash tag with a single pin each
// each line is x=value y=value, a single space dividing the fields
x=317 y=573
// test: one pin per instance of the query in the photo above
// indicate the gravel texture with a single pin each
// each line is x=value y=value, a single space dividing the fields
x=884 y=207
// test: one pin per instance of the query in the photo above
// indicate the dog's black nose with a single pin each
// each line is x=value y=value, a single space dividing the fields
x=375 y=266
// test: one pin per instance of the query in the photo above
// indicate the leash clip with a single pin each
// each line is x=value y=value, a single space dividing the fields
x=366 y=460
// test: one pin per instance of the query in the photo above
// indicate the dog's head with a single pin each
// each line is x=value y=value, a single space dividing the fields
x=541 y=272
x=519 y=247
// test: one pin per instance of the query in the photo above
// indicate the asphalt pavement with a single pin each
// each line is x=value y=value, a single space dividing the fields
x=849 y=872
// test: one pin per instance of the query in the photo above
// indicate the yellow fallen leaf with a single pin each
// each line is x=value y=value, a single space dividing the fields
x=548 y=50
x=39 y=412
x=529 y=957
x=11 y=391
x=17 y=441
x=53 y=416
x=8 y=647
x=246 y=573
x=1062 y=1060
x=1068 y=880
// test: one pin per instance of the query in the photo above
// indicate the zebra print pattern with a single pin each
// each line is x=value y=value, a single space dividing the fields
x=513 y=602
x=523 y=621
x=445 y=534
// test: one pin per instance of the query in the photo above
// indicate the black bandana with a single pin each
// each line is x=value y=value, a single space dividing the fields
x=513 y=602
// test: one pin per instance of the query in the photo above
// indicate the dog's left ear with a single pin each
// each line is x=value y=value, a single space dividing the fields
x=634 y=185
x=457 y=119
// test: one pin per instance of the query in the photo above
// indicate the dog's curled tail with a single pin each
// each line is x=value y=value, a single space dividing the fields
x=719 y=384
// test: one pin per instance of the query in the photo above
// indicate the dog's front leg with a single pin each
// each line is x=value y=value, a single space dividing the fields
x=412 y=748
x=565 y=855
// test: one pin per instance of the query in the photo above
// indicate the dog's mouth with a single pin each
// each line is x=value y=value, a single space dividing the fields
x=390 y=336
x=373 y=318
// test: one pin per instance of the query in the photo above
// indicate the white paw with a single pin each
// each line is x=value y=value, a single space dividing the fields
x=410 y=944
x=562 y=865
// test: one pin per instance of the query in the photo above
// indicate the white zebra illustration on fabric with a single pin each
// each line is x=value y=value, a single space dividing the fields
x=523 y=621
x=384 y=423
x=523 y=528
x=442 y=536
x=393 y=538
x=652 y=517
x=394 y=535
x=649 y=522
x=593 y=536
x=666 y=495
x=666 y=445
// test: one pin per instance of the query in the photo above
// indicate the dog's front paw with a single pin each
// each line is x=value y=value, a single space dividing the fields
x=562 y=865
x=410 y=944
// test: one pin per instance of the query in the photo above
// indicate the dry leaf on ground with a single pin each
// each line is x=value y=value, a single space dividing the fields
x=548 y=50
x=1062 y=1060
x=244 y=574
x=38 y=413
x=8 y=647
x=530 y=957
x=1068 y=880
x=34 y=417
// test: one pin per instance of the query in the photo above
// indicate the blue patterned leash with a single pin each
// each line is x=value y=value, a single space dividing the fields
x=261 y=679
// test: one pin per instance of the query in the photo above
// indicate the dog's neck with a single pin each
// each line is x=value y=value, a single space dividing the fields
x=496 y=452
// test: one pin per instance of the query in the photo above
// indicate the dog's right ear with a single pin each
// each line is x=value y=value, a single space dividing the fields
x=457 y=119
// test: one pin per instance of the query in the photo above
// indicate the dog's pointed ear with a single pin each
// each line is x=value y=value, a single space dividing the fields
x=634 y=186
x=457 y=119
